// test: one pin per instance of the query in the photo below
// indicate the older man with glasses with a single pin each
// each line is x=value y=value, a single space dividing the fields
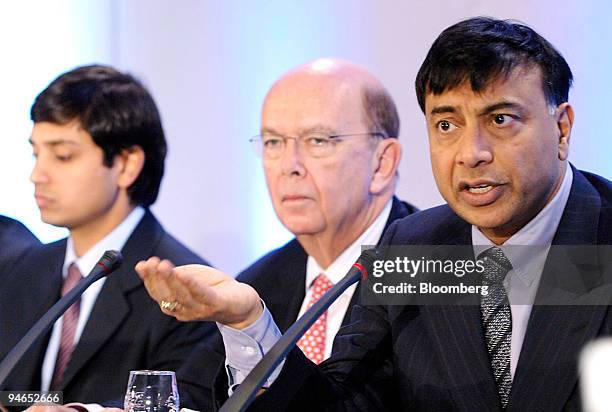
x=330 y=154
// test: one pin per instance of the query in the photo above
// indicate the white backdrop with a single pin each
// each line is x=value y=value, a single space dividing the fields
x=209 y=63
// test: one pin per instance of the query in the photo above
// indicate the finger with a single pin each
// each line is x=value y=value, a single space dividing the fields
x=165 y=267
x=202 y=300
x=182 y=294
x=188 y=277
x=209 y=275
x=145 y=268
x=140 y=269
x=154 y=275
x=170 y=288
x=151 y=265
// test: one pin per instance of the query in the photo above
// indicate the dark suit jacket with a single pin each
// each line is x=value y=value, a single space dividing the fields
x=279 y=277
x=15 y=239
x=125 y=331
x=434 y=357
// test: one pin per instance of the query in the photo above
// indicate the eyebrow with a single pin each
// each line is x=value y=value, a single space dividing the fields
x=487 y=110
x=54 y=142
x=443 y=109
x=501 y=105
x=304 y=131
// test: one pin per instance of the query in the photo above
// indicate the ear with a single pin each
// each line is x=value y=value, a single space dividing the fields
x=384 y=164
x=565 y=120
x=131 y=162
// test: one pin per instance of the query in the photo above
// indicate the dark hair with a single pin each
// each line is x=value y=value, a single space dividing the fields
x=380 y=111
x=118 y=113
x=481 y=49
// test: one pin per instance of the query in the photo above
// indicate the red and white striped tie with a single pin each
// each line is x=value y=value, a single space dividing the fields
x=312 y=343
x=69 y=325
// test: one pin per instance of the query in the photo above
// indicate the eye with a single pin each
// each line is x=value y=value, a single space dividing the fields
x=445 y=126
x=502 y=119
x=317 y=140
x=63 y=158
x=272 y=142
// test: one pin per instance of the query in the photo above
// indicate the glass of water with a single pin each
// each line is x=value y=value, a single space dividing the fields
x=151 y=391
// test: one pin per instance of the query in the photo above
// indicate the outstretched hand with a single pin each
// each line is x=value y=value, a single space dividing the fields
x=198 y=292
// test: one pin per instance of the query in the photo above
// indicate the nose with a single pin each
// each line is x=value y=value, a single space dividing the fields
x=475 y=147
x=39 y=174
x=291 y=159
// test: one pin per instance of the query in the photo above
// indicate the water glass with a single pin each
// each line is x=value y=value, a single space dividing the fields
x=151 y=391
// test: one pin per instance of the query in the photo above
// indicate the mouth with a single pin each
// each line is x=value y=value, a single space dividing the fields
x=42 y=201
x=484 y=188
x=481 y=193
x=294 y=201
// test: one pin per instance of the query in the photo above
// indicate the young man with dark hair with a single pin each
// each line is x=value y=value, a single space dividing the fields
x=100 y=149
x=494 y=94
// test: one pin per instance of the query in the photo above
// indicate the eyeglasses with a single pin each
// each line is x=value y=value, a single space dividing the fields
x=272 y=146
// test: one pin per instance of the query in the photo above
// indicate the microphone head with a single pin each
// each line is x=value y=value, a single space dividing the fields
x=366 y=261
x=110 y=261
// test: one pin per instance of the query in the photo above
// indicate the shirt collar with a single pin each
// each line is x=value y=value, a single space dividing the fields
x=538 y=233
x=115 y=240
x=339 y=267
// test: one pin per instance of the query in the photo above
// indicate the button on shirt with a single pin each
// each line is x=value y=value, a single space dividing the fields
x=115 y=240
x=244 y=348
x=521 y=283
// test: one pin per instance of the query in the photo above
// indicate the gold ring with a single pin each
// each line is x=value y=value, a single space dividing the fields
x=169 y=306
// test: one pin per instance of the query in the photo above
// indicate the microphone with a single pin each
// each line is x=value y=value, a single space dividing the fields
x=108 y=263
x=245 y=393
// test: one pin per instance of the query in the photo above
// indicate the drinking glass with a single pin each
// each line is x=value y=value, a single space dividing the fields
x=151 y=391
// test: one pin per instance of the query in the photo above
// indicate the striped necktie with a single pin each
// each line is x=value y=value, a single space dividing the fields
x=497 y=319
x=69 y=325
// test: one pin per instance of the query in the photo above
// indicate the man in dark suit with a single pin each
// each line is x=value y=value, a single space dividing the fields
x=327 y=197
x=494 y=94
x=15 y=239
x=100 y=149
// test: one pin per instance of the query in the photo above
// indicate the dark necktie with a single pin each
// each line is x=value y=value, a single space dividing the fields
x=497 y=319
x=69 y=325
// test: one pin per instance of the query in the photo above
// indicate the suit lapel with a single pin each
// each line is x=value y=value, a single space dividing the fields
x=399 y=210
x=556 y=333
x=459 y=341
x=292 y=280
x=112 y=306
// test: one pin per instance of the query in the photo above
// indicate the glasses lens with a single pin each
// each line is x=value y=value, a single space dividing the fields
x=318 y=145
x=272 y=145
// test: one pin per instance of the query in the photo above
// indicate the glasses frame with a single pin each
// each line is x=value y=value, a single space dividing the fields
x=257 y=141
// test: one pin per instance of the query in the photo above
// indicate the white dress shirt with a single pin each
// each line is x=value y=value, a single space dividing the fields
x=336 y=271
x=244 y=348
x=521 y=283
x=115 y=240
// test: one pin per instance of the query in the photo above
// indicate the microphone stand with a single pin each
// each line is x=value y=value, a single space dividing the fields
x=245 y=393
x=110 y=261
